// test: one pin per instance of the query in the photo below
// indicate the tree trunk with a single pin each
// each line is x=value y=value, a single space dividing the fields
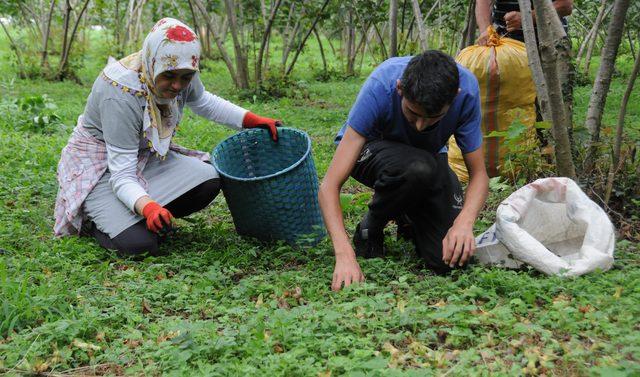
x=554 y=45
x=470 y=26
x=631 y=44
x=306 y=36
x=324 y=59
x=603 y=79
x=64 y=60
x=619 y=127
x=592 y=42
x=194 y=20
x=409 y=32
x=67 y=17
x=218 y=41
x=45 y=36
x=533 y=56
x=555 y=52
x=265 y=40
x=16 y=50
x=350 y=46
x=242 y=65
x=422 y=34
x=393 y=27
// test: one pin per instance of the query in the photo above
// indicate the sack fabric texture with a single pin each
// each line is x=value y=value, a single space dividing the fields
x=552 y=226
x=507 y=93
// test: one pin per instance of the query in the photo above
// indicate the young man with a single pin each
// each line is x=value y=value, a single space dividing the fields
x=394 y=141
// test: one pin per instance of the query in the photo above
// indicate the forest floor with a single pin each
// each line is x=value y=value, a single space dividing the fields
x=219 y=304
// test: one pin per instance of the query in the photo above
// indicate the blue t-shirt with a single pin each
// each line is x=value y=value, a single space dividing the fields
x=377 y=112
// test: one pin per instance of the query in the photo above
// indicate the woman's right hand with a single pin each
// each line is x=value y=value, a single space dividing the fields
x=347 y=271
x=157 y=216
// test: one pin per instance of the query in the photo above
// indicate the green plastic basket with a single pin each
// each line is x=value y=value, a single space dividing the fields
x=271 y=188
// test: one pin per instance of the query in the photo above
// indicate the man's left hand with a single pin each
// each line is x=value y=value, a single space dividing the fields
x=458 y=245
x=513 y=20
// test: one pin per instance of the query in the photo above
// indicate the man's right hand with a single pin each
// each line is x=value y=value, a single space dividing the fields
x=483 y=38
x=347 y=272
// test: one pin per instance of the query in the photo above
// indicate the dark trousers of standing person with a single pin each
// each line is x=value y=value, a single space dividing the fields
x=411 y=182
x=137 y=239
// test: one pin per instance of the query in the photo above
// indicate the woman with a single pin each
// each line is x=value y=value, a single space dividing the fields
x=121 y=179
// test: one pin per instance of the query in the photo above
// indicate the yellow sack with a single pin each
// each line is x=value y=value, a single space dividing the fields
x=456 y=162
x=507 y=91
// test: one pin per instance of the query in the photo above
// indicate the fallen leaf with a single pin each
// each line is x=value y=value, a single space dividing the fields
x=442 y=336
x=168 y=336
x=401 y=305
x=391 y=349
x=277 y=348
x=84 y=345
x=160 y=277
x=40 y=366
x=618 y=292
x=146 y=309
x=283 y=304
x=132 y=343
x=585 y=309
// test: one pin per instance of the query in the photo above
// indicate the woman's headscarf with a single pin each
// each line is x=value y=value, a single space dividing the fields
x=171 y=45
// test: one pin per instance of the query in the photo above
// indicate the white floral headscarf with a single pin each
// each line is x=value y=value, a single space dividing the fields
x=171 y=45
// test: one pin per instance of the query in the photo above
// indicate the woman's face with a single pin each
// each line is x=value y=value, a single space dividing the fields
x=170 y=83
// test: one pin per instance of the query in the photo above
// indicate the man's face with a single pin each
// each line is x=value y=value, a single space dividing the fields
x=415 y=114
x=170 y=83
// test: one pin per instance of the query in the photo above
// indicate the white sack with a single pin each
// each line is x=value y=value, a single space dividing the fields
x=551 y=225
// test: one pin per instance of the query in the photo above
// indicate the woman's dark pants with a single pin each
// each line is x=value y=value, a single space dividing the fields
x=137 y=239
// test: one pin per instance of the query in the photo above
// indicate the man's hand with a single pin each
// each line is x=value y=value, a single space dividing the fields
x=483 y=38
x=347 y=271
x=513 y=20
x=459 y=244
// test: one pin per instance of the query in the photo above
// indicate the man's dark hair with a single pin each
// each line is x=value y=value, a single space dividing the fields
x=431 y=80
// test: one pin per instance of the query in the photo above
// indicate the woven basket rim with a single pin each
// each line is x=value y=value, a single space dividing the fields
x=262 y=177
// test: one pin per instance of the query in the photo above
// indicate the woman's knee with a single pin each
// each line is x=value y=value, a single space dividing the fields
x=136 y=240
x=204 y=193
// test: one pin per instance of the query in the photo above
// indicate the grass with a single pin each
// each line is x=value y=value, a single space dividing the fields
x=218 y=304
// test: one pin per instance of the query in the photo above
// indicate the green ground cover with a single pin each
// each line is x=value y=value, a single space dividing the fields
x=218 y=304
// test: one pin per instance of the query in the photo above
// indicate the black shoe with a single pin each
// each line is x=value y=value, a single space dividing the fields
x=368 y=244
x=405 y=229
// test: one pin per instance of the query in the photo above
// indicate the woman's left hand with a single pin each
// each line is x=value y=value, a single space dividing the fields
x=252 y=120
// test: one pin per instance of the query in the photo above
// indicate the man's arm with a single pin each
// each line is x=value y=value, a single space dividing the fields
x=459 y=244
x=563 y=7
x=347 y=270
x=514 y=19
x=483 y=19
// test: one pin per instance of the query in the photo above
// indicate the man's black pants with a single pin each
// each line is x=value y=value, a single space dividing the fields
x=412 y=182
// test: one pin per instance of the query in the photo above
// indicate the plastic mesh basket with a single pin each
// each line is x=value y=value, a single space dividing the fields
x=271 y=188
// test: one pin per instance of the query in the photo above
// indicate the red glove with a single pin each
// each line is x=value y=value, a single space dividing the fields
x=252 y=120
x=157 y=216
